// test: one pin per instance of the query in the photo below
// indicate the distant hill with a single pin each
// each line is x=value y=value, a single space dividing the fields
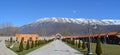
x=9 y=30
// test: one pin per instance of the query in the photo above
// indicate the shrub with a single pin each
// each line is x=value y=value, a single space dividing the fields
x=21 y=48
x=73 y=42
x=79 y=44
x=39 y=43
x=76 y=42
x=11 y=40
x=27 y=45
x=36 y=43
x=32 y=44
x=83 y=45
x=98 y=47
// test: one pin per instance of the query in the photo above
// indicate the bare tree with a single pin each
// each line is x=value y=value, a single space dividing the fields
x=42 y=32
x=9 y=29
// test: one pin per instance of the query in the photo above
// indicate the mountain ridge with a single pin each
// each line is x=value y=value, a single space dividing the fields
x=78 y=21
x=67 y=26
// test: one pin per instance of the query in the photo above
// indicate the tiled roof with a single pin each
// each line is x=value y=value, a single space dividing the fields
x=103 y=34
x=112 y=33
x=118 y=33
x=95 y=35
x=71 y=36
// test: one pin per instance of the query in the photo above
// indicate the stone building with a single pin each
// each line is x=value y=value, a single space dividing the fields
x=26 y=37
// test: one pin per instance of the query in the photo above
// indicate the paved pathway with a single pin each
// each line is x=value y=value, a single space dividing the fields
x=56 y=47
x=4 y=50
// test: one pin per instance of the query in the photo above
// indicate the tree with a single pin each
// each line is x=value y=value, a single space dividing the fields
x=32 y=44
x=76 y=42
x=9 y=29
x=27 y=45
x=98 y=47
x=11 y=40
x=21 y=47
x=39 y=43
x=36 y=43
x=73 y=42
x=43 y=32
x=79 y=44
x=83 y=44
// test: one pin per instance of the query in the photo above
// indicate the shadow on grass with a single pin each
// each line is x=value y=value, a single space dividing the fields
x=18 y=51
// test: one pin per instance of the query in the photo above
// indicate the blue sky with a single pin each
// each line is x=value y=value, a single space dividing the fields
x=20 y=12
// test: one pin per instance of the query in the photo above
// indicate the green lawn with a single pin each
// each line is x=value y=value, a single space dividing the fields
x=16 y=49
x=108 y=49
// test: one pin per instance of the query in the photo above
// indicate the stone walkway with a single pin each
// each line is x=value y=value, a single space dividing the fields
x=56 y=47
x=4 y=50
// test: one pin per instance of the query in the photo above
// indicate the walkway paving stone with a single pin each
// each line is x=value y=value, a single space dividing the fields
x=4 y=50
x=57 y=47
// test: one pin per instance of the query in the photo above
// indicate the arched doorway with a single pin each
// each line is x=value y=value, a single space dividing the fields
x=58 y=36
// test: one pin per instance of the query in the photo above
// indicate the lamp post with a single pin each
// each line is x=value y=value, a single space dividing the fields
x=89 y=46
x=105 y=42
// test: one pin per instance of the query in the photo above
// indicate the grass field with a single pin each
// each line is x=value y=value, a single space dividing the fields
x=107 y=49
x=16 y=49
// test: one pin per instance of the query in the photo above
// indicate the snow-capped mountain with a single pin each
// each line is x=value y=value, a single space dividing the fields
x=50 y=26
x=78 y=21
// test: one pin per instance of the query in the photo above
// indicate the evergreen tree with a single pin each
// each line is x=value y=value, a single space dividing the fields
x=32 y=44
x=98 y=47
x=79 y=44
x=35 y=43
x=11 y=40
x=83 y=44
x=70 y=41
x=27 y=45
x=21 y=47
x=38 y=43
x=76 y=42
x=73 y=42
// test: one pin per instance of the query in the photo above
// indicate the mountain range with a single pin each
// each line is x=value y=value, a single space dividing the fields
x=70 y=26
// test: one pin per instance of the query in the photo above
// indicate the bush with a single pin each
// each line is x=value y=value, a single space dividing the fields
x=79 y=44
x=21 y=47
x=39 y=43
x=27 y=45
x=36 y=43
x=73 y=42
x=32 y=44
x=98 y=47
x=11 y=40
x=83 y=45
x=76 y=42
